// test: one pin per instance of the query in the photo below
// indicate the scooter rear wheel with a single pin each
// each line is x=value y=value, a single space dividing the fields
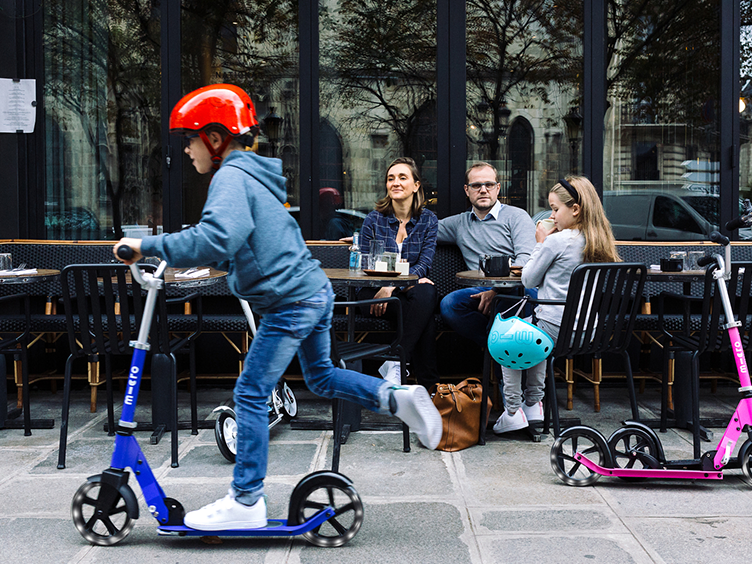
x=226 y=433
x=101 y=513
x=586 y=441
x=347 y=519
x=632 y=447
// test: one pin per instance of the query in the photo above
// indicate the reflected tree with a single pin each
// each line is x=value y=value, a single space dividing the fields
x=525 y=50
x=380 y=62
x=663 y=58
x=102 y=83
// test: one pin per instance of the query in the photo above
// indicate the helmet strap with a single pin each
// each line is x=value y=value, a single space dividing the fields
x=519 y=305
x=216 y=155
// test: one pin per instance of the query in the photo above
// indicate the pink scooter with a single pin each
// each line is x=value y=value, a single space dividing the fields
x=581 y=455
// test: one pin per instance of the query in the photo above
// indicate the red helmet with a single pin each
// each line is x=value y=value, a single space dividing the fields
x=223 y=105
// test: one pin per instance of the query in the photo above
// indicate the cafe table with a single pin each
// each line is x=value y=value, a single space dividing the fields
x=352 y=280
x=10 y=419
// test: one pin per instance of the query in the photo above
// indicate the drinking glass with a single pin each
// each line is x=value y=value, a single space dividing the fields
x=5 y=261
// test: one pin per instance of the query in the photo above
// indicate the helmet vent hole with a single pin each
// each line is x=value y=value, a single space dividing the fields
x=519 y=355
x=506 y=353
x=538 y=342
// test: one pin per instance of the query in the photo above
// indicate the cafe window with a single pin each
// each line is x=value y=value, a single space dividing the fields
x=661 y=126
x=524 y=74
x=253 y=45
x=102 y=118
x=377 y=91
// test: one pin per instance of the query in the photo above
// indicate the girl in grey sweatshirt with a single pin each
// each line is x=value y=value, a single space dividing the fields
x=581 y=233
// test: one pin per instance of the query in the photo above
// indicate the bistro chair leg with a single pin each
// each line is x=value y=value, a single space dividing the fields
x=64 y=415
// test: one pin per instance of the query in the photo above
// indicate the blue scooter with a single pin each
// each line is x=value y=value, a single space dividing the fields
x=324 y=506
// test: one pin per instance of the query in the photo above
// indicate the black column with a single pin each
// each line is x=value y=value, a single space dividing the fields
x=729 y=111
x=172 y=91
x=450 y=106
x=308 y=22
x=594 y=91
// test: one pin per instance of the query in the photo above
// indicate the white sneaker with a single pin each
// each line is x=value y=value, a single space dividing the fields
x=226 y=514
x=507 y=422
x=390 y=371
x=415 y=408
x=533 y=413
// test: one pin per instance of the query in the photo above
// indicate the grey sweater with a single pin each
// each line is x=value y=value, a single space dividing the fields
x=511 y=233
x=550 y=269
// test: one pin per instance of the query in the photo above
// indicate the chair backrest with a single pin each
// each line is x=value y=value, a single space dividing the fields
x=102 y=308
x=711 y=335
x=602 y=303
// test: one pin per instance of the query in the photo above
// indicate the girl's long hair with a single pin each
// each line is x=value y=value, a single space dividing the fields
x=384 y=205
x=600 y=245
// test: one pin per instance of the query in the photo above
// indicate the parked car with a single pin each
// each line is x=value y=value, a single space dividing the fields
x=643 y=215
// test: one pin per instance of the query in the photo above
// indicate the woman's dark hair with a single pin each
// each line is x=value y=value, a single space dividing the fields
x=384 y=205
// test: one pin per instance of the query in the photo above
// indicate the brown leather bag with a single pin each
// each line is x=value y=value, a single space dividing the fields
x=459 y=406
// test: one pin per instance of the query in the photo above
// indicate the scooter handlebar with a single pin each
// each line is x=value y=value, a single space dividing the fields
x=125 y=252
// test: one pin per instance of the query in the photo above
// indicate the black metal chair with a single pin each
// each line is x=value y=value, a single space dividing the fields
x=344 y=352
x=16 y=344
x=701 y=331
x=103 y=313
x=602 y=303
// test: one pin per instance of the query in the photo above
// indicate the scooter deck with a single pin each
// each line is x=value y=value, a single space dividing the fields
x=274 y=528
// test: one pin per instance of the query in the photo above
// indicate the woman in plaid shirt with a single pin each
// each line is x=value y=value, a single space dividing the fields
x=402 y=223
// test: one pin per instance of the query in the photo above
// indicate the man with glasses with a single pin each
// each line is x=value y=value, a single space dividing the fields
x=489 y=228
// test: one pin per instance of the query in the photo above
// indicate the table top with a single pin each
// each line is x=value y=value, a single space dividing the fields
x=361 y=279
x=41 y=275
x=684 y=276
x=477 y=278
x=213 y=277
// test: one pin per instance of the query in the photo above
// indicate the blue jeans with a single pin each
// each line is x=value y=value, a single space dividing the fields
x=302 y=327
x=460 y=311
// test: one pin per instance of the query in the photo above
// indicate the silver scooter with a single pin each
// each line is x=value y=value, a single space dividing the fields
x=280 y=405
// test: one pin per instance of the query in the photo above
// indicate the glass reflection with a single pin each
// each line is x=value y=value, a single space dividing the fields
x=524 y=68
x=662 y=133
x=253 y=44
x=377 y=94
x=102 y=118
x=745 y=108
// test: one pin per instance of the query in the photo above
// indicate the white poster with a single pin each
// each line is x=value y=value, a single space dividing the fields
x=18 y=105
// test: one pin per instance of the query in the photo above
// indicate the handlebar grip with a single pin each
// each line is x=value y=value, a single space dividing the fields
x=125 y=252
x=716 y=237
x=704 y=261
x=735 y=223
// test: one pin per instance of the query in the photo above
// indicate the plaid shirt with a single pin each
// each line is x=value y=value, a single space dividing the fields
x=418 y=247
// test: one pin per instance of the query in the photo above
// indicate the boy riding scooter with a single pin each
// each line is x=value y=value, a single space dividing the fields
x=246 y=231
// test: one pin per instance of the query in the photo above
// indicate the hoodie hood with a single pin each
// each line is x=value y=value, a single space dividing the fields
x=268 y=172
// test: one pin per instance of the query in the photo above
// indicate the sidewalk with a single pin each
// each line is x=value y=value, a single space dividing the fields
x=492 y=504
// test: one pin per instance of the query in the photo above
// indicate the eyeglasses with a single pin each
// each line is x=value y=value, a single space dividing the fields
x=476 y=186
x=188 y=138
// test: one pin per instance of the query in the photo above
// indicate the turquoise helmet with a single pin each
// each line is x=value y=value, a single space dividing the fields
x=515 y=343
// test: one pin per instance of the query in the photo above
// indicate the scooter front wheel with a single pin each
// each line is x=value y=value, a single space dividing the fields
x=340 y=496
x=289 y=401
x=226 y=433
x=745 y=452
x=102 y=513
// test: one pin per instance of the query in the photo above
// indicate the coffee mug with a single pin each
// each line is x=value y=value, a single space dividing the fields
x=495 y=266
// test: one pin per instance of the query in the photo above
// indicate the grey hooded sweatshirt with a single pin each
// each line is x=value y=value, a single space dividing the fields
x=245 y=230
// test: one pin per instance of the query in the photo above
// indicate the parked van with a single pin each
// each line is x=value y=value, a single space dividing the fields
x=642 y=215
x=645 y=215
